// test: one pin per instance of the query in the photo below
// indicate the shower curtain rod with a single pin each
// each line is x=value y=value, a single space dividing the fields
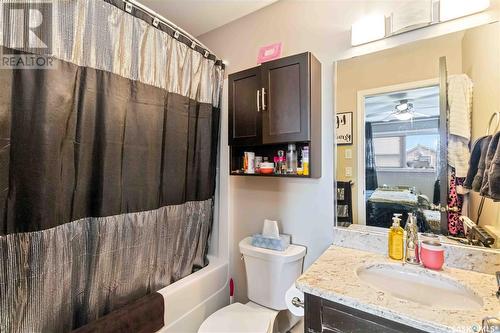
x=167 y=22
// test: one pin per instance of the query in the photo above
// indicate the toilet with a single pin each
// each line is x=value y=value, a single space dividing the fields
x=269 y=275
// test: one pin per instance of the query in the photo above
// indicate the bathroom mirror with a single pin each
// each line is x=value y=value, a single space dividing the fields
x=417 y=111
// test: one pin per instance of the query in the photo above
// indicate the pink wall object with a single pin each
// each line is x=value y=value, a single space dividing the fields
x=269 y=52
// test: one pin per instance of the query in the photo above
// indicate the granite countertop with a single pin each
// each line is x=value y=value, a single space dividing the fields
x=333 y=277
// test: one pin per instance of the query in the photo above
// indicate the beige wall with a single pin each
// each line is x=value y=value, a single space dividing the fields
x=305 y=206
x=481 y=61
x=417 y=61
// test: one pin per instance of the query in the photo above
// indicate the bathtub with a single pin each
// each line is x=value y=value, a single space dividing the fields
x=190 y=300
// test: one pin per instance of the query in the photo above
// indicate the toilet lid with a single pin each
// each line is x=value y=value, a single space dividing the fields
x=237 y=318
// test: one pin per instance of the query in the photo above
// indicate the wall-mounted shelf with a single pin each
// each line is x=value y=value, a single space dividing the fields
x=275 y=104
x=268 y=175
x=269 y=151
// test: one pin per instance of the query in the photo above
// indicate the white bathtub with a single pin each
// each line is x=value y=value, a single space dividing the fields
x=190 y=300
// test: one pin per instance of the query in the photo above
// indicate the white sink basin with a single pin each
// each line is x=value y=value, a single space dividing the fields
x=419 y=285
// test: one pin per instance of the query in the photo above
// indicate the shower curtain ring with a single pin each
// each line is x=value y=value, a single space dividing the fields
x=128 y=7
x=156 y=22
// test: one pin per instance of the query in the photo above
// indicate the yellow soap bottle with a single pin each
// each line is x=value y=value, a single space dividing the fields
x=396 y=237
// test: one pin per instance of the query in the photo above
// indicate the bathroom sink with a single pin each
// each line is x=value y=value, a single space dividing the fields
x=419 y=285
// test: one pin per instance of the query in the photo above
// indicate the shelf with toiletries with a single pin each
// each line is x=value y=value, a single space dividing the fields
x=293 y=160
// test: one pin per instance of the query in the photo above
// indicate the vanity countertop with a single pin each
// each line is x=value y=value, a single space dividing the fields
x=333 y=277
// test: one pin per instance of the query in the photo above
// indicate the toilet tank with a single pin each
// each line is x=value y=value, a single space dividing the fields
x=270 y=273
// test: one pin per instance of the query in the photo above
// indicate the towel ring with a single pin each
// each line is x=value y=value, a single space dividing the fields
x=493 y=116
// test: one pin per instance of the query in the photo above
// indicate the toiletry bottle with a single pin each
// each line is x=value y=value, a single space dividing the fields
x=250 y=162
x=277 y=165
x=396 y=239
x=258 y=161
x=291 y=159
x=281 y=162
x=411 y=231
x=305 y=161
x=245 y=162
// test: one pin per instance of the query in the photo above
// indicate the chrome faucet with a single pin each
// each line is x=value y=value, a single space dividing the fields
x=412 y=250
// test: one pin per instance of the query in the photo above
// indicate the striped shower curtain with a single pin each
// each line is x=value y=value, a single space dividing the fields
x=107 y=160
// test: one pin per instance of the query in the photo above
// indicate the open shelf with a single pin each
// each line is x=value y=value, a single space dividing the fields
x=268 y=175
x=269 y=151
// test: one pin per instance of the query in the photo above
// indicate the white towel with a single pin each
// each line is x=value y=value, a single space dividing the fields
x=460 y=105
x=459 y=122
x=458 y=155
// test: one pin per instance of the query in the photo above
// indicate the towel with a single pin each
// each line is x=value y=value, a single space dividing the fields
x=460 y=105
x=458 y=155
x=477 y=163
x=146 y=315
x=490 y=186
x=459 y=122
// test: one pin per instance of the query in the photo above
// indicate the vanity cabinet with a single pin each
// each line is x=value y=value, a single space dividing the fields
x=277 y=102
x=324 y=316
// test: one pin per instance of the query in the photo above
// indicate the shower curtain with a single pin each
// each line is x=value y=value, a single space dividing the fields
x=107 y=165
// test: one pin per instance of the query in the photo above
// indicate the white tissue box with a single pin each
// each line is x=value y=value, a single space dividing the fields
x=277 y=244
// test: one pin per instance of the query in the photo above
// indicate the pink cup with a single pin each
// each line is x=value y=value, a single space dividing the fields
x=432 y=254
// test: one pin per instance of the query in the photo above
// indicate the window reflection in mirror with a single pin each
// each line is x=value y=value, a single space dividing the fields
x=401 y=156
x=398 y=161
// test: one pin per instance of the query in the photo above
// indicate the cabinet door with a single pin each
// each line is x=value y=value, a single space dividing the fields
x=245 y=121
x=286 y=109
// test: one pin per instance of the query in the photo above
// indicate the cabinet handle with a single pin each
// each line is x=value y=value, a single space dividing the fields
x=263 y=99
x=258 y=100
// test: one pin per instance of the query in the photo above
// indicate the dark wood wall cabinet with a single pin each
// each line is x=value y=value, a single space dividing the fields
x=323 y=316
x=272 y=105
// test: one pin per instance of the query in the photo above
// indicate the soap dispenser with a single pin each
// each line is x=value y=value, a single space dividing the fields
x=396 y=239
x=411 y=230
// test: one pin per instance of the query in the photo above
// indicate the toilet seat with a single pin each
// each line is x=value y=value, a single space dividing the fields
x=239 y=318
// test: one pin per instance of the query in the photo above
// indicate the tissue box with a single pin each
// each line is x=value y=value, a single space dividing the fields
x=280 y=244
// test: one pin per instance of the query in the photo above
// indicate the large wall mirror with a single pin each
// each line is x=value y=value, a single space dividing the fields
x=424 y=116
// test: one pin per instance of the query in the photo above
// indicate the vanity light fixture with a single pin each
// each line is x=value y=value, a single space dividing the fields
x=377 y=26
x=368 y=29
x=452 y=9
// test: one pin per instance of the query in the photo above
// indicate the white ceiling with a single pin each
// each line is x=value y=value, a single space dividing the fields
x=425 y=102
x=200 y=16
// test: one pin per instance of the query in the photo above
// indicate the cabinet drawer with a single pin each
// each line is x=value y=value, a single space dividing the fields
x=325 y=316
x=335 y=320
